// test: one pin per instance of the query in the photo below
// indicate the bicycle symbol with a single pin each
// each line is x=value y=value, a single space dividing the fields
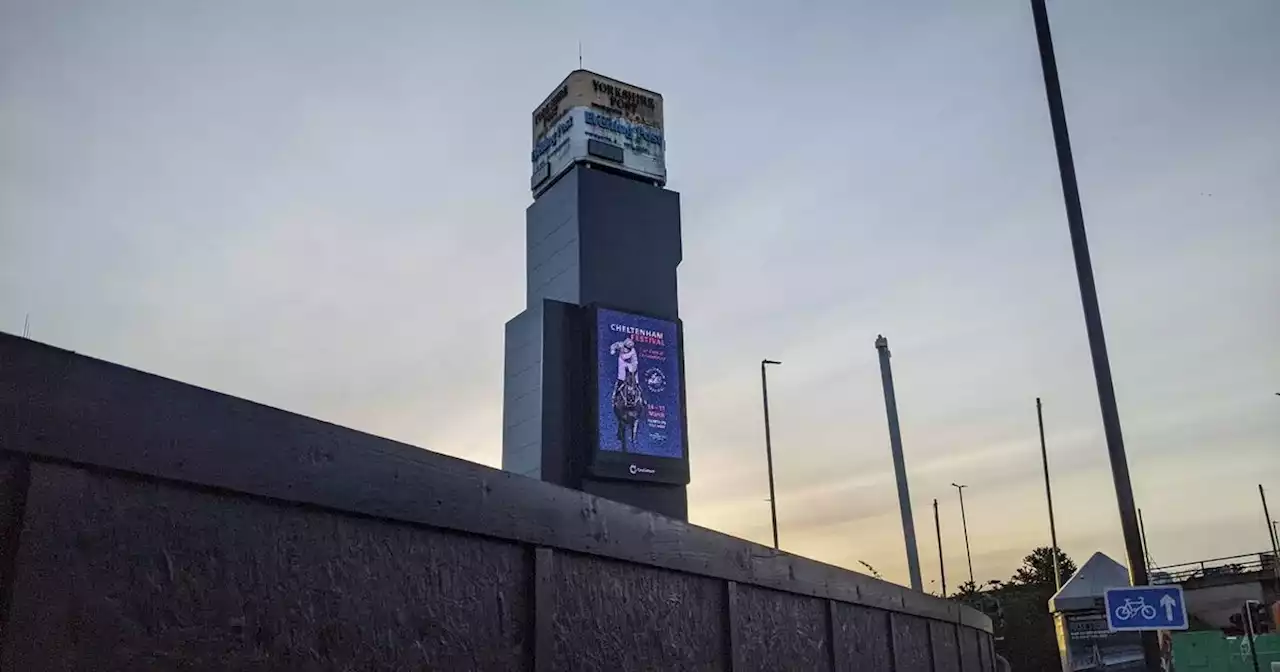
x=1132 y=608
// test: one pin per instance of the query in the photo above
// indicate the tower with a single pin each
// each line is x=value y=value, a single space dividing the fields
x=594 y=395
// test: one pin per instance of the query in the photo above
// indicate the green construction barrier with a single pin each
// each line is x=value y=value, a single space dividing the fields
x=1215 y=652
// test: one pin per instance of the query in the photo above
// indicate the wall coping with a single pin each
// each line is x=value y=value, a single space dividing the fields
x=57 y=404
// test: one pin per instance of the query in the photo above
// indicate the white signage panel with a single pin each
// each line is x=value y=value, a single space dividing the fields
x=590 y=135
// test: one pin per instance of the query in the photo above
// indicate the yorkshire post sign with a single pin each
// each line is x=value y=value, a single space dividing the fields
x=583 y=88
x=639 y=398
x=597 y=120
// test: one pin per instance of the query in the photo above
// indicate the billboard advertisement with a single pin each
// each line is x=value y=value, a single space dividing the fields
x=594 y=119
x=639 y=398
x=1090 y=645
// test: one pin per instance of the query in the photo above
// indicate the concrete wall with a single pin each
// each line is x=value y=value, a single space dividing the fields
x=147 y=524
x=1212 y=606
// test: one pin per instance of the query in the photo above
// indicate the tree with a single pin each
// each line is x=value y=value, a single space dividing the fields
x=1024 y=629
x=966 y=590
x=1037 y=568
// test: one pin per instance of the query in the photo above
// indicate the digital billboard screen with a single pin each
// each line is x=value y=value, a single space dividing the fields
x=639 y=400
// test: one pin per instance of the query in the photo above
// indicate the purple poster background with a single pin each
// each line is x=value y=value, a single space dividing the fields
x=638 y=385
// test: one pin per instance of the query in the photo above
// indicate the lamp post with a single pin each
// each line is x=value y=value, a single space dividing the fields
x=1271 y=533
x=899 y=464
x=1048 y=495
x=768 y=445
x=965 y=523
x=942 y=562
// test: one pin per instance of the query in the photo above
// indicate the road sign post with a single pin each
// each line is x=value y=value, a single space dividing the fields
x=1251 y=631
x=1146 y=608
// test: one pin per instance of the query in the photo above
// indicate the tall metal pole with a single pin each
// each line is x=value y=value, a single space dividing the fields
x=899 y=464
x=1275 y=544
x=965 y=524
x=1142 y=529
x=1048 y=495
x=942 y=563
x=1093 y=321
x=768 y=447
x=1275 y=533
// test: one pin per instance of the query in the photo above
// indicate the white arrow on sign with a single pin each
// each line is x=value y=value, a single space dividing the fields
x=1168 y=603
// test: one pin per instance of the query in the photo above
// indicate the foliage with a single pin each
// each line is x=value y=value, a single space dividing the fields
x=1019 y=610
x=966 y=590
x=871 y=569
x=1037 y=568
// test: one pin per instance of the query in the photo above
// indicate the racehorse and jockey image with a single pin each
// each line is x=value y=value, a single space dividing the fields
x=628 y=396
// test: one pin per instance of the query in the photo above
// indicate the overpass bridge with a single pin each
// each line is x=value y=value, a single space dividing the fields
x=149 y=524
x=1217 y=588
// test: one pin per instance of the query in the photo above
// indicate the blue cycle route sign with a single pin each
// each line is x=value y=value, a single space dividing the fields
x=1146 y=608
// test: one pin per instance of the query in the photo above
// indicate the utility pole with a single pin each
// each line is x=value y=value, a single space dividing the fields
x=1271 y=532
x=1048 y=495
x=1093 y=321
x=899 y=464
x=942 y=563
x=965 y=523
x=768 y=447
x=1142 y=529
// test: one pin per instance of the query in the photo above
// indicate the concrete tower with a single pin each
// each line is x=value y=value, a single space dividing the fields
x=593 y=396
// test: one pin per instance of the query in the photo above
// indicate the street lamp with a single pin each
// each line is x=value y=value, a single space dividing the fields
x=942 y=561
x=1048 y=495
x=768 y=445
x=899 y=463
x=968 y=556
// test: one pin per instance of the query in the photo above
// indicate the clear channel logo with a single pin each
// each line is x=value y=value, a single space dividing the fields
x=635 y=469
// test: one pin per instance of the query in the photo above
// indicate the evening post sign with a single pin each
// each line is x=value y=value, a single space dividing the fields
x=591 y=118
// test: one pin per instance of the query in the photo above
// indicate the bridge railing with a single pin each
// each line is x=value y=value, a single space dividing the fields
x=1230 y=565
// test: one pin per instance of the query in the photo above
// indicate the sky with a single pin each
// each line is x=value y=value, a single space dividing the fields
x=319 y=205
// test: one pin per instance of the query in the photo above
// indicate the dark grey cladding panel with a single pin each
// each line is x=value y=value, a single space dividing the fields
x=946 y=650
x=522 y=394
x=553 y=244
x=564 y=374
x=618 y=617
x=124 y=574
x=630 y=243
x=911 y=651
x=781 y=631
x=971 y=659
x=58 y=404
x=862 y=638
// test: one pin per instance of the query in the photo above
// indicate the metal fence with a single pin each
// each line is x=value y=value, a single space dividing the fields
x=1232 y=565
